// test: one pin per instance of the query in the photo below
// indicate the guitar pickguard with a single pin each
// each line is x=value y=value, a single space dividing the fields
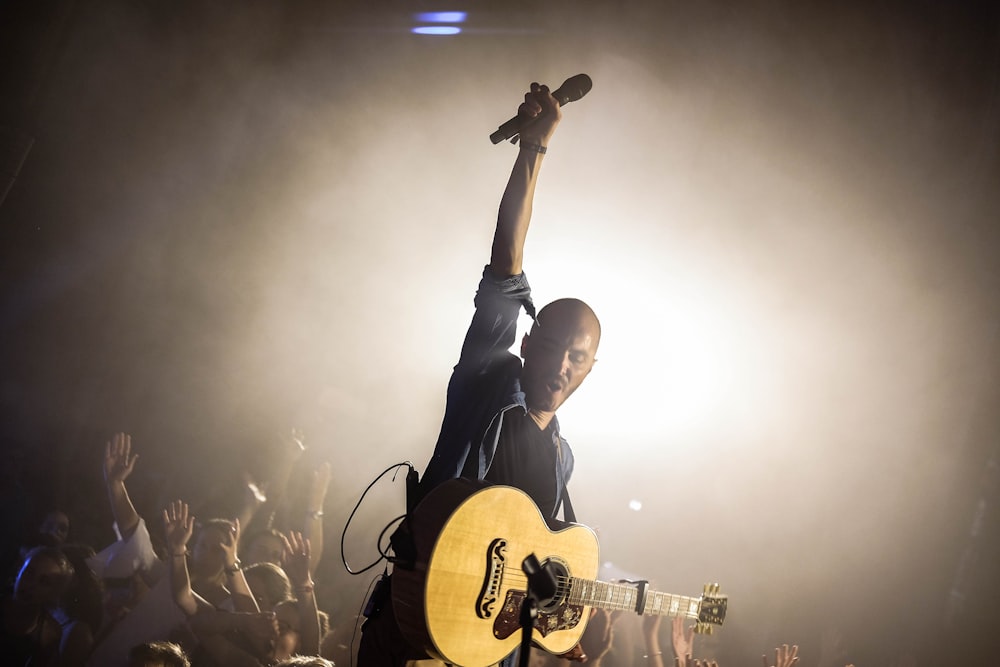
x=490 y=592
x=561 y=617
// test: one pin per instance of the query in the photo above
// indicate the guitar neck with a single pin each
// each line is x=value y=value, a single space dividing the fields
x=626 y=597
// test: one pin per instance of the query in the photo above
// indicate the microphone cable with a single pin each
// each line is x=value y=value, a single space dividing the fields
x=383 y=555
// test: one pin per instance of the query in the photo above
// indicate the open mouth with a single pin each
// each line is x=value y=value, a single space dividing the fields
x=555 y=386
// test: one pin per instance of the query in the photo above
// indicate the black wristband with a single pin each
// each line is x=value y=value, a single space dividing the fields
x=538 y=148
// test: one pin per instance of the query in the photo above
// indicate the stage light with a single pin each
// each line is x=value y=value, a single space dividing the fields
x=440 y=17
x=436 y=30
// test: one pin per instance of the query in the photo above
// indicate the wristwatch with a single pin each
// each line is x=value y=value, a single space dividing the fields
x=234 y=568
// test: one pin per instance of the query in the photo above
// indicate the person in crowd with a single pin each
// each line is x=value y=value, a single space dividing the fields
x=30 y=633
x=81 y=608
x=269 y=584
x=138 y=604
x=263 y=542
x=304 y=661
x=158 y=654
x=293 y=626
x=263 y=546
x=52 y=530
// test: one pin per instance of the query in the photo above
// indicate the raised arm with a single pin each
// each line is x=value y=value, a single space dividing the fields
x=178 y=526
x=515 y=206
x=286 y=454
x=119 y=461
x=297 y=557
x=243 y=599
x=313 y=529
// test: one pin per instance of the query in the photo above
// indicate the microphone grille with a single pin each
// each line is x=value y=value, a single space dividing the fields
x=573 y=89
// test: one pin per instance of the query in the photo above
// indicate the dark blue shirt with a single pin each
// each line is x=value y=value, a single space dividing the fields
x=484 y=385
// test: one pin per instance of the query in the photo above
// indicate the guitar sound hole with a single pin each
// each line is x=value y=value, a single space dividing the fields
x=561 y=573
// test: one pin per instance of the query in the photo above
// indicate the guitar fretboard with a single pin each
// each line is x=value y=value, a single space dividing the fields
x=624 y=597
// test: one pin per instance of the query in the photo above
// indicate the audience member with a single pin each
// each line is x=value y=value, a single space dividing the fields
x=30 y=633
x=158 y=654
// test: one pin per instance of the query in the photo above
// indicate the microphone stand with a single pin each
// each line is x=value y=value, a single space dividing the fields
x=541 y=586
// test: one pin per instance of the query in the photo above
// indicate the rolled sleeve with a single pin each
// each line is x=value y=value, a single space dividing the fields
x=494 y=325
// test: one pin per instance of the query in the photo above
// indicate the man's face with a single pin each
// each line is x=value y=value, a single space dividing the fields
x=558 y=355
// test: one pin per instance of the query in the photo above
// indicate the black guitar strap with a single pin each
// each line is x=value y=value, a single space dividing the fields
x=567 y=505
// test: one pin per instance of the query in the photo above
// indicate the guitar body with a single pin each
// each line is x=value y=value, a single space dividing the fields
x=461 y=601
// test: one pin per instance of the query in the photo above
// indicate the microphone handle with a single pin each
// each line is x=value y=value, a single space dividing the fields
x=514 y=126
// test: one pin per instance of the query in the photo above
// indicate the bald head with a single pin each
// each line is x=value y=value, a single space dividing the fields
x=559 y=352
x=569 y=312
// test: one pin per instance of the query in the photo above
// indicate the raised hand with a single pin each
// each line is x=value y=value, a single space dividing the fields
x=230 y=544
x=597 y=638
x=293 y=444
x=296 y=560
x=178 y=525
x=119 y=461
x=254 y=494
x=682 y=638
x=783 y=656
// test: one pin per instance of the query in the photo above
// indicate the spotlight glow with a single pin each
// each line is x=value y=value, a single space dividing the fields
x=440 y=17
x=436 y=30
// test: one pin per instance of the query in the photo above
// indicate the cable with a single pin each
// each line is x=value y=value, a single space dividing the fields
x=378 y=545
x=357 y=621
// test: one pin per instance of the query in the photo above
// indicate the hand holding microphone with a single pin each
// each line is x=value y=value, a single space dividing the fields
x=540 y=112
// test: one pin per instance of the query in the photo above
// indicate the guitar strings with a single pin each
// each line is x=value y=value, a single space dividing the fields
x=618 y=599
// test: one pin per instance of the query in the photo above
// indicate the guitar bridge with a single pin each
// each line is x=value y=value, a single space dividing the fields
x=496 y=559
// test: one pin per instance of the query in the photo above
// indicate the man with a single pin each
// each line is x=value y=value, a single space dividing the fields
x=500 y=422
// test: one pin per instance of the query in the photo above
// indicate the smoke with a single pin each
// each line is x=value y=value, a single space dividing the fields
x=267 y=218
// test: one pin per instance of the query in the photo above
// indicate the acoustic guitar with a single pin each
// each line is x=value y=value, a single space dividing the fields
x=461 y=599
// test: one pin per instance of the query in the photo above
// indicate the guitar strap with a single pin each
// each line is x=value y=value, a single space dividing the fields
x=567 y=505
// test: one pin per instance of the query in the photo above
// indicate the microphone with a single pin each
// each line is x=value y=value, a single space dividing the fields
x=541 y=581
x=572 y=89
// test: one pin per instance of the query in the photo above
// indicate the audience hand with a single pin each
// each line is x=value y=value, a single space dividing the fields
x=783 y=656
x=179 y=525
x=296 y=560
x=254 y=493
x=230 y=545
x=598 y=635
x=118 y=458
x=293 y=444
x=683 y=639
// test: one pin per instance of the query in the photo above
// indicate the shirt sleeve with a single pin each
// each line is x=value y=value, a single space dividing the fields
x=123 y=558
x=494 y=325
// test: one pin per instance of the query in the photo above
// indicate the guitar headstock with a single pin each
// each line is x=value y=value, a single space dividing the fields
x=711 y=609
